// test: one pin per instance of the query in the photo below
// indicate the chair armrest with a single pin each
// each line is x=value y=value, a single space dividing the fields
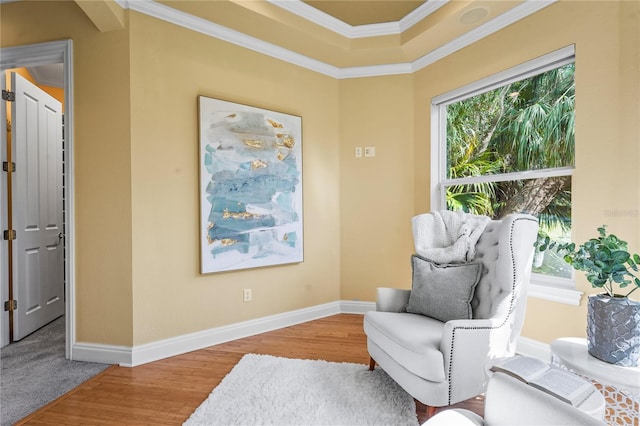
x=392 y=299
x=481 y=327
x=465 y=339
x=467 y=345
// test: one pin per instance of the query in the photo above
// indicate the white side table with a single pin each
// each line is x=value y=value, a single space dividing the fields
x=619 y=385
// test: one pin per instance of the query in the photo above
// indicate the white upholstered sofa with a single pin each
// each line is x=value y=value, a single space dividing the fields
x=510 y=402
x=444 y=362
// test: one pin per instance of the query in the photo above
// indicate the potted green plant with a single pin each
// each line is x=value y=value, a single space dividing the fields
x=613 y=320
x=538 y=255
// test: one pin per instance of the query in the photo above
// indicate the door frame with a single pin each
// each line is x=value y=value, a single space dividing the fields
x=42 y=54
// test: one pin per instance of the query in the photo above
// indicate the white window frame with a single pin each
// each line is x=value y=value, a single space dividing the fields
x=556 y=289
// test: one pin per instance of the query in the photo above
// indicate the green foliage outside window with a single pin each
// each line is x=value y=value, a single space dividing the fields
x=523 y=126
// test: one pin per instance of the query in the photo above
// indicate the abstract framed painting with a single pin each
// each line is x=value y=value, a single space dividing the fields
x=250 y=187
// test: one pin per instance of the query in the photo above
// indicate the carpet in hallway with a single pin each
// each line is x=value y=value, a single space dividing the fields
x=34 y=372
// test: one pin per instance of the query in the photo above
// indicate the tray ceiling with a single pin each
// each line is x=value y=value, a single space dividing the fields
x=342 y=38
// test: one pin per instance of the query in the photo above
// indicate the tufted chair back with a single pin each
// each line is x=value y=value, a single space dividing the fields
x=500 y=291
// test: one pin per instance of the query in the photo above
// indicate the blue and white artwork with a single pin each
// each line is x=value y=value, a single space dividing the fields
x=250 y=186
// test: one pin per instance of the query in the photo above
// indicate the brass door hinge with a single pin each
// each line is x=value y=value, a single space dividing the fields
x=9 y=234
x=8 y=167
x=11 y=305
x=8 y=96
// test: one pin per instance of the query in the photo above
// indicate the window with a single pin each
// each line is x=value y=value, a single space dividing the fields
x=506 y=145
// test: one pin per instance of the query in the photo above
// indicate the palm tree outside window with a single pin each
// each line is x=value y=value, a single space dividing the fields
x=509 y=147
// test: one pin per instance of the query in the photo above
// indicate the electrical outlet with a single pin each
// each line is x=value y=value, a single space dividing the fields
x=247 y=295
x=369 y=151
x=358 y=151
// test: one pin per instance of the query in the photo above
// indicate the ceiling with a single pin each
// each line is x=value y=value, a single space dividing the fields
x=363 y=12
x=48 y=75
x=344 y=38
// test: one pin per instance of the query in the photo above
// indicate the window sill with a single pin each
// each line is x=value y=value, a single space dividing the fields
x=545 y=291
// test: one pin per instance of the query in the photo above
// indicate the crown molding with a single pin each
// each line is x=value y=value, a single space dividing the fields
x=203 y=26
x=314 y=15
x=327 y=21
x=421 y=12
x=375 y=70
x=529 y=7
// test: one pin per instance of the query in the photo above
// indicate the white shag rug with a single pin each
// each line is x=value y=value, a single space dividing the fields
x=268 y=390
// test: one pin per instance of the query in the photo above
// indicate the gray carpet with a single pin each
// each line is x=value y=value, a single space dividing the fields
x=35 y=372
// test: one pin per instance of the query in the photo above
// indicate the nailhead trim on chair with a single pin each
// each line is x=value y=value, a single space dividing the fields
x=513 y=283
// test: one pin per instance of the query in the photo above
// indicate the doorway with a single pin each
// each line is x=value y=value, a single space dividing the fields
x=29 y=56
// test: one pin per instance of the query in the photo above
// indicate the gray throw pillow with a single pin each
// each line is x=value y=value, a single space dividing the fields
x=443 y=292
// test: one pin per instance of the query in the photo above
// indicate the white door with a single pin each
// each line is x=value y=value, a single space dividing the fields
x=4 y=257
x=38 y=262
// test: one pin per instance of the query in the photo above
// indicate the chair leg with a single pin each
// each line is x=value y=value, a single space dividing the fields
x=431 y=411
x=372 y=363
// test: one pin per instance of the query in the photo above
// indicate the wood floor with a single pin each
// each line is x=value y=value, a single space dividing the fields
x=166 y=392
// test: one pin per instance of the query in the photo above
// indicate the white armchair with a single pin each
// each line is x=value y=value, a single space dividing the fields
x=442 y=363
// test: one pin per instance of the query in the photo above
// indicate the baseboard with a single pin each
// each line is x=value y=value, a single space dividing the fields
x=105 y=354
x=142 y=354
x=356 y=307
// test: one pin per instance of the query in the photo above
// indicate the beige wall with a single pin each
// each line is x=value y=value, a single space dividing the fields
x=376 y=198
x=101 y=158
x=137 y=163
x=605 y=183
x=170 y=68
